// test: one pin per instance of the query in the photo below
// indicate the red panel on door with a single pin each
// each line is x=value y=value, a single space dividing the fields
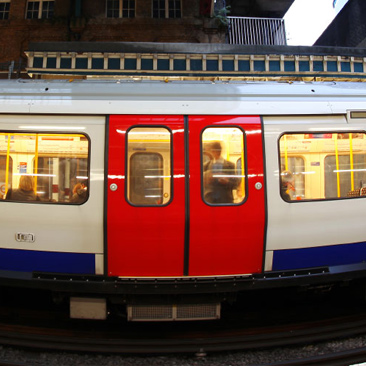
x=227 y=239
x=144 y=240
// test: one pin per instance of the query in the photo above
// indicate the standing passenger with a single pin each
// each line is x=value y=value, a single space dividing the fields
x=218 y=177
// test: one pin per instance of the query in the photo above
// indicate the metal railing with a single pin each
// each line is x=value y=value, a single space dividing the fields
x=256 y=31
x=12 y=69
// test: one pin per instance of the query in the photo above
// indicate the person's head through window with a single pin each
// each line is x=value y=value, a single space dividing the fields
x=216 y=149
x=25 y=191
x=26 y=183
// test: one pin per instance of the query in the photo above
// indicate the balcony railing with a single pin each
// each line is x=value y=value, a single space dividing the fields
x=256 y=31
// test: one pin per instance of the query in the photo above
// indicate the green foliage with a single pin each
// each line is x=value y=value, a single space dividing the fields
x=221 y=15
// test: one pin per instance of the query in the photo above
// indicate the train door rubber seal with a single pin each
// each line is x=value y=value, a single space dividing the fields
x=187 y=198
x=265 y=197
x=106 y=148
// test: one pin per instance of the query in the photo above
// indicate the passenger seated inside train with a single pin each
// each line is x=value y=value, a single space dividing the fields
x=80 y=193
x=287 y=185
x=219 y=178
x=359 y=191
x=25 y=192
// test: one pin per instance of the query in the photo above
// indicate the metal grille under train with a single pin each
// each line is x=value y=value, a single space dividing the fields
x=173 y=312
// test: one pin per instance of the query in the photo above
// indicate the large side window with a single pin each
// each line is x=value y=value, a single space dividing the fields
x=223 y=165
x=149 y=166
x=40 y=167
x=330 y=166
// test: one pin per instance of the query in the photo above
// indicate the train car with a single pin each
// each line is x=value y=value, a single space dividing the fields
x=166 y=199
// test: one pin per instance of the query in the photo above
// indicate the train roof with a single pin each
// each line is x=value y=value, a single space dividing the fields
x=180 y=97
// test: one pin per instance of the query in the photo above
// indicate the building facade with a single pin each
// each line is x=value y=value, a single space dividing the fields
x=22 y=22
x=165 y=21
x=348 y=29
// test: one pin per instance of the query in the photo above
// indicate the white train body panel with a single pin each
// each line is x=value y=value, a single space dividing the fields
x=59 y=228
x=309 y=224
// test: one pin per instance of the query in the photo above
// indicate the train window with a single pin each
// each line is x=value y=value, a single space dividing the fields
x=223 y=165
x=149 y=166
x=323 y=166
x=44 y=167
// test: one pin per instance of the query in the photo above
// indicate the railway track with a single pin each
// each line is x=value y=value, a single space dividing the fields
x=289 y=321
x=354 y=357
x=197 y=338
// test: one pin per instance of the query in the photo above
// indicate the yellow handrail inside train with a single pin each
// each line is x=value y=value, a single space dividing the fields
x=335 y=136
x=351 y=161
x=286 y=157
x=7 y=165
x=36 y=164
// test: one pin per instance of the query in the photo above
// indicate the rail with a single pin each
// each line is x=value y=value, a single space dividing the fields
x=256 y=31
x=12 y=69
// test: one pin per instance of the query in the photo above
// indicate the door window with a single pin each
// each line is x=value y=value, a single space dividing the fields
x=223 y=165
x=149 y=166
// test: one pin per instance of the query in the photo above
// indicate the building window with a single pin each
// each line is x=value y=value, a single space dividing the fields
x=166 y=8
x=174 y=9
x=120 y=8
x=4 y=9
x=40 y=9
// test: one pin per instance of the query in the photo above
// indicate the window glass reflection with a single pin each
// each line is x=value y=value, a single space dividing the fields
x=323 y=166
x=223 y=165
x=149 y=166
x=44 y=167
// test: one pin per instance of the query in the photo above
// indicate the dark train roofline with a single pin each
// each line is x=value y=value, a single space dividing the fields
x=100 y=285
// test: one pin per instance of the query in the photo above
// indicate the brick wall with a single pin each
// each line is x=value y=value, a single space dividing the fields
x=17 y=32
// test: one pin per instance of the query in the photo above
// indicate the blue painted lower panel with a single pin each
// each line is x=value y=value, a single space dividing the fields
x=29 y=261
x=331 y=255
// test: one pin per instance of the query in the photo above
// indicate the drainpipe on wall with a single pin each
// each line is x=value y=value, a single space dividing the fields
x=11 y=69
x=77 y=8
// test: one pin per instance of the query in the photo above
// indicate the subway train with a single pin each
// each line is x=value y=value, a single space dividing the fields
x=167 y=198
